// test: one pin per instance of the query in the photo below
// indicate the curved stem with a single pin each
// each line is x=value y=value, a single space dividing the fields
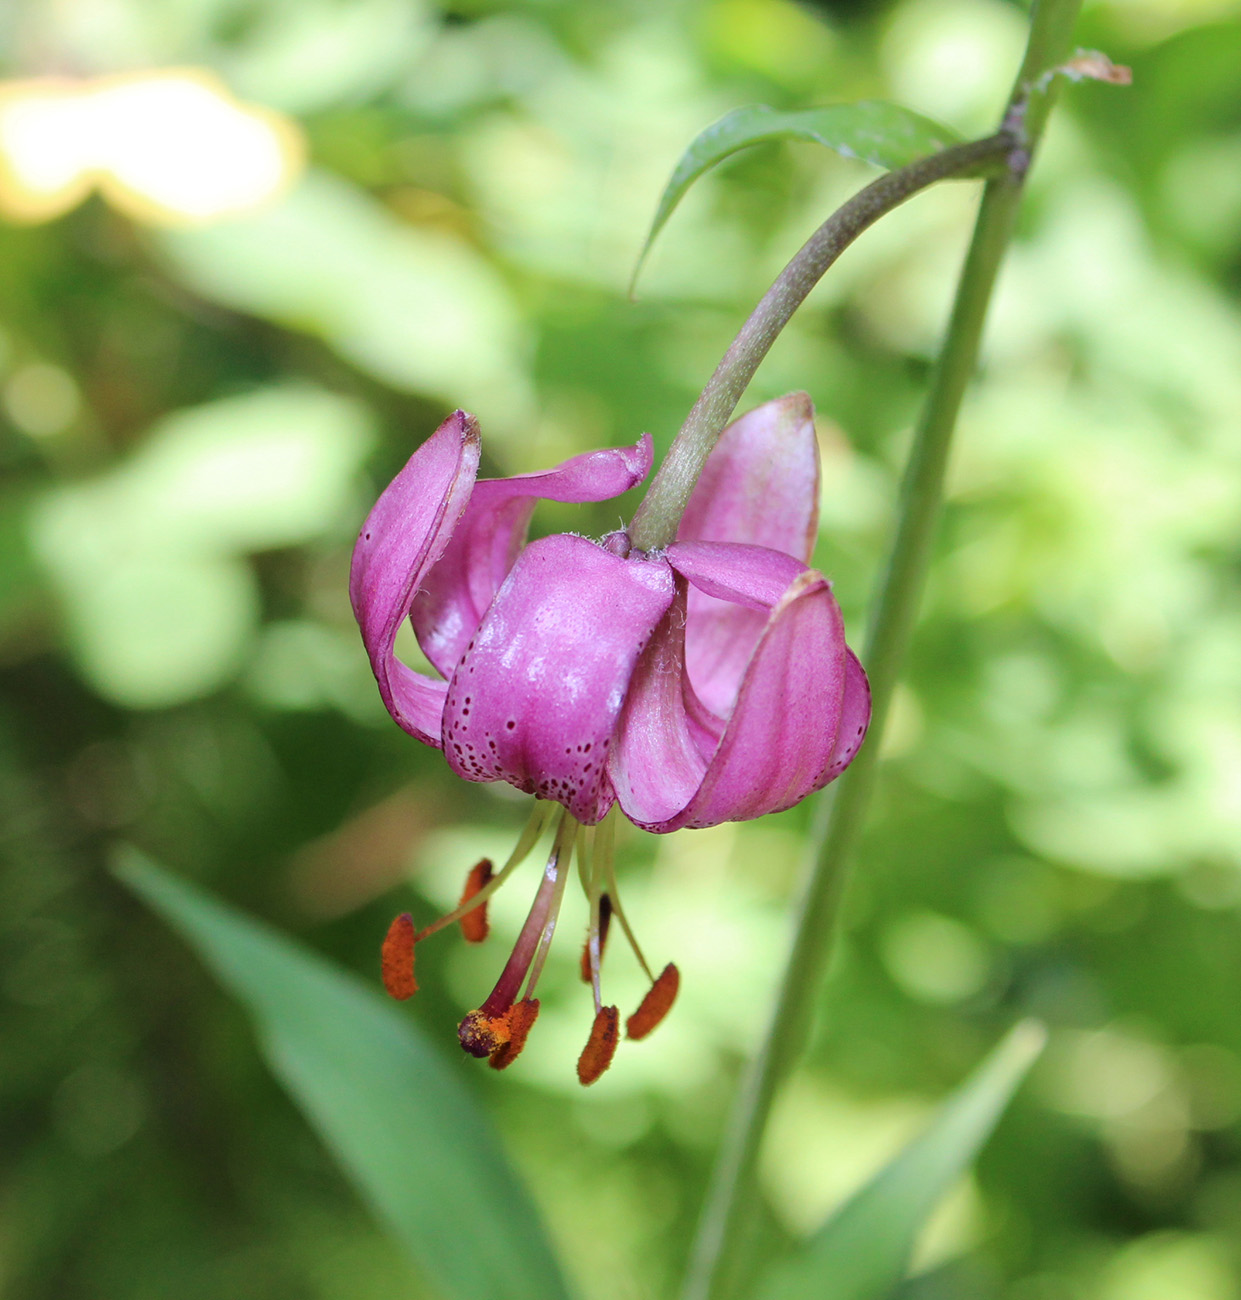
x=656 y=520
x=718 y=1264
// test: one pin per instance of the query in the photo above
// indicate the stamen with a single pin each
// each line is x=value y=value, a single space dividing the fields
x=485 y=1030
x=598 y=934
x=474 y=924
x=396 y=959
x=539 y=817
x=606 y=866
x=600 y=1046
x=656 y=1005
x=521 y=1018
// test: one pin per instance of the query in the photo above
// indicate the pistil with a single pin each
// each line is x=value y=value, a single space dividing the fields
x=487 y=1029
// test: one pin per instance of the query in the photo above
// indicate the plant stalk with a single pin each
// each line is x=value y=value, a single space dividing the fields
x=656 y=519
x=720 y=1257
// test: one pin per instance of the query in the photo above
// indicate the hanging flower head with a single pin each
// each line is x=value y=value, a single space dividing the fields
x=703 y=683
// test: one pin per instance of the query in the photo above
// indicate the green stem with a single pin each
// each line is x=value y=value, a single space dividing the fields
x=655 y=522
x=719 y=1261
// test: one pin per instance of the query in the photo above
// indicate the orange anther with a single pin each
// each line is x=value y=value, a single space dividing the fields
x=605 y=921
x=474 y=924
x=600 y=1046
x=397 y=958
x=521 y=1018
x=657 y=1003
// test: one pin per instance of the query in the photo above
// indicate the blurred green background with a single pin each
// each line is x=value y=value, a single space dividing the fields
x=195 y=420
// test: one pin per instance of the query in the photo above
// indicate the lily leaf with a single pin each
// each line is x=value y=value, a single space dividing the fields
x=862 y=1252
x=406 y=1132
x=884 y=134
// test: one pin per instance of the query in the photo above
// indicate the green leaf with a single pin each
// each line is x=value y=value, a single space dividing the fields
x=884 y=134
x=862 y=1252
x=407 y=1133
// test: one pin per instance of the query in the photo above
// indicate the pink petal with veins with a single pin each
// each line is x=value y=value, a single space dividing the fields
x=535 y=698
x=456 y=592
x=402 y=538
x=760 y=486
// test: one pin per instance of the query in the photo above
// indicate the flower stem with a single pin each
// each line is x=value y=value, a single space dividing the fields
x=656 y=520
x=721 y=1254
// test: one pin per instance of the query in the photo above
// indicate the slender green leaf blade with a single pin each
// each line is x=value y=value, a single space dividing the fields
x=411 y=1139
x=862 y=1252
x=884 y=134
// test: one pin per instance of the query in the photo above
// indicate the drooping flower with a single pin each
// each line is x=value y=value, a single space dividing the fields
x=706 y=682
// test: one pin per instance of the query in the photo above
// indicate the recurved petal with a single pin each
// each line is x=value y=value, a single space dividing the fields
x=659 y=756
x=753 y=576
x=780 y=740
x=854 y=719
x=456 y=592
x=760 y=486
x=761 y=482
x=535 y=697
x=402 y=537
x=734 y=588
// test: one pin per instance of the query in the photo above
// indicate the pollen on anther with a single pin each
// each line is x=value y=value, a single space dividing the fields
x=656 y=1005
x=521 y=1018
x=396 y=959
x=474 y=925
x=600 y=1046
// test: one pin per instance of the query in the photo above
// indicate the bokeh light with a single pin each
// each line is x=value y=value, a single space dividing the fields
x=168 y=147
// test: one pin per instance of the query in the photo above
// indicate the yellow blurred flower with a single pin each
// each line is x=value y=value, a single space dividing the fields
x=168 y=147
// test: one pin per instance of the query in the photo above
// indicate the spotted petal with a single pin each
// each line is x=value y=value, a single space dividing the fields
x=456 y=592
x=535 y=698
x=402 y=537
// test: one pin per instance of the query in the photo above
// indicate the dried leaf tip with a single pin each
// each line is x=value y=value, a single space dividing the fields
x=474 y=925
x=1094 y=65
x=657 y=1003
x=600 y=1046
x=397 y=958
x=521 y=1018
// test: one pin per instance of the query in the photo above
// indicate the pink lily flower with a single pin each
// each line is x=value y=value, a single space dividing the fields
x=708 y=682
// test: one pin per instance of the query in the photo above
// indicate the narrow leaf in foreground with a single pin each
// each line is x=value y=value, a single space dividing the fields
x=884 y=134
x=398 y=1120
x=862 y=1252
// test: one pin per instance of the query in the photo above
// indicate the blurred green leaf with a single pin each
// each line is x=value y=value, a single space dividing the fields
x=863 y=1250
x=872 y=131
x=409 y=1136
x=418 y=308
x=308 y=56
x=270 y=468
x=157 y=604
